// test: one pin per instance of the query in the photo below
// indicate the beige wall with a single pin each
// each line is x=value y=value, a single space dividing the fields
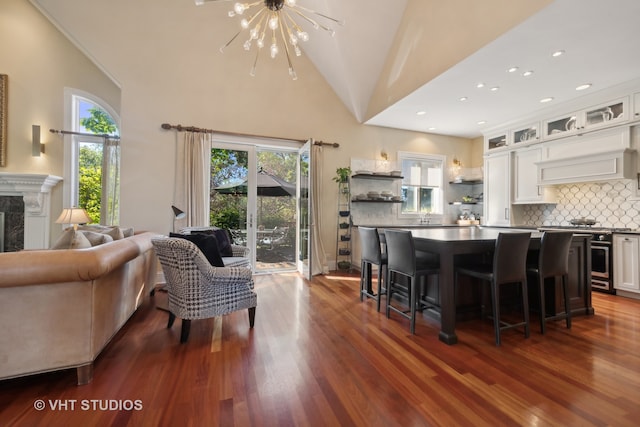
x=161 y=81
x=40 y=63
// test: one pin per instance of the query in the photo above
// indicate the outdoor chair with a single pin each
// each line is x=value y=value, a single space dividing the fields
x=197 y=290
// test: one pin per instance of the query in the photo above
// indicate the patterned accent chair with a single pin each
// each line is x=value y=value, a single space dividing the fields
x=197 y=290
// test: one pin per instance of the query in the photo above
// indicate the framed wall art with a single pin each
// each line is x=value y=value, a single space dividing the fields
x=3 y=119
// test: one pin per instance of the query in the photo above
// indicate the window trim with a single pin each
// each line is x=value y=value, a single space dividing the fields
x=442 y=159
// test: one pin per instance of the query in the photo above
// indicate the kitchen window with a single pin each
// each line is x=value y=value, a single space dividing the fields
x=422 y=184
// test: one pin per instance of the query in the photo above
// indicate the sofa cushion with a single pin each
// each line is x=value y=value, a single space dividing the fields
x=115 y=232
x=208 y=245
x=71 y=239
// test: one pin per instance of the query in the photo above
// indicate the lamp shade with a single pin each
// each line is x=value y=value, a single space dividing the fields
x=73 y=216
x=179 y=214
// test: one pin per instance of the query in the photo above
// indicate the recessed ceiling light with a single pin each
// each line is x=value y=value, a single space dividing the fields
x=548 y=99
x=421 y=113
x=432 y=128
x=464 y=98
x=495 y=88
x=584 y=86
x=557 y=53
x=481 y=122
x=512 y=70
x=527 y=73
x=480 y=85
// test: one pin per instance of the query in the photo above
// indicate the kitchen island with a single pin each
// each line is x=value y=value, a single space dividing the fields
x=453 y=245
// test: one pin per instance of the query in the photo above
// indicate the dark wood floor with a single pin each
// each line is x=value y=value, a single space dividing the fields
x=319 y=357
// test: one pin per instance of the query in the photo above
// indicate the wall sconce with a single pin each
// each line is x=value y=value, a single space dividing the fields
x=384 y=155
x=456 y=168
x=36 y=146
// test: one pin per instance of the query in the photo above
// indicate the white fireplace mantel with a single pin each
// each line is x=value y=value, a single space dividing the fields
x=35 y=190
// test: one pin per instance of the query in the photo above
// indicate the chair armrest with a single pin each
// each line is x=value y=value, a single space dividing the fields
x=241 y=251
x=223 y=275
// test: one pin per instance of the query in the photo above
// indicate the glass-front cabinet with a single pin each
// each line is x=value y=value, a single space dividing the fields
x=599 y=116
x=496 y=141
x=526 y=134
x=636 y=106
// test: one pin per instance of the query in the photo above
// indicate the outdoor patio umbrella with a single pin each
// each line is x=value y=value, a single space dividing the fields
x=268 y=185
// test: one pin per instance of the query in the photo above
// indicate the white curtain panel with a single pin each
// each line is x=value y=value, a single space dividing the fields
x=319 y=263
x=192 y=179
x=110 y=198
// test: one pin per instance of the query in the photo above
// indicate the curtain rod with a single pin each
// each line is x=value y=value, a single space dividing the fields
x=68 y=132
x=180 y=128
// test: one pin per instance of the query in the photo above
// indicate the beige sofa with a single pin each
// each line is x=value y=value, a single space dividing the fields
x=60 y=308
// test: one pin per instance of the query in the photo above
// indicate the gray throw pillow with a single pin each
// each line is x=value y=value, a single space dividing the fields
x=71 y=239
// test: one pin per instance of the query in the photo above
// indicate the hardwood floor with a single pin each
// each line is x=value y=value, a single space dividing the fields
x=319 y=357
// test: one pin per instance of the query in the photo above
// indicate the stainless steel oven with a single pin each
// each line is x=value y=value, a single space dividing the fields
x=601 y=266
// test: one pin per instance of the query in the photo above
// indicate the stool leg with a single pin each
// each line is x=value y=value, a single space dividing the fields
x=543 y=313
x=495 y=296
x=379 y=285
x=413 y=289
x=567 y=308
x=362 y=279
x=525 y=308
x=389 y=292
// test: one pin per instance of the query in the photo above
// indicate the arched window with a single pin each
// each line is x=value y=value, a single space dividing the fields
x=92 y=159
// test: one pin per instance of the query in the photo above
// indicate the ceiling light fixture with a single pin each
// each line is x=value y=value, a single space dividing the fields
x=557 y=53
x=545 y=100
x=480 y=85
x=584 y=86
x=527 y=73
x=276 y=17
x=464 y=98
x=512 y=70
x=481 y=122
x=495 y=89
x=421 y=113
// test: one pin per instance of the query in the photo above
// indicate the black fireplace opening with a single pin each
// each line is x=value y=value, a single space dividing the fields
x=13 y=229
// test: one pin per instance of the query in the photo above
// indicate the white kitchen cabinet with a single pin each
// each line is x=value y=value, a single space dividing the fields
x=497 y=189
x=626 y=262
x=525 y=135
x=598 y=116
x=636 y=106
x=525 y=174
x=496 y=141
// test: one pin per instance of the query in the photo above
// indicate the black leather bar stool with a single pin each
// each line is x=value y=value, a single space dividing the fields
x=509 y=266
x=371 y=255
x=553 y=261
x=402 y=261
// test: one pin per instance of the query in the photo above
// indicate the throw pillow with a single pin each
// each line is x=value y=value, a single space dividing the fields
x=208 y=245
x=71 y=239
x=223 y=238
x=96 y=238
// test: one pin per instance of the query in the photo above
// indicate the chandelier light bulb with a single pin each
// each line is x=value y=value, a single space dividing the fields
x=290 y=3
x=247 y=45
x=239 y=8
x=244 y=23
x=274 y=50
x=303 y=35
x=273 y=22
x=260 y=42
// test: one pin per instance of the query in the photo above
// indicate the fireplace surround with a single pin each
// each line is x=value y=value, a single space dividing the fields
x=35 y=190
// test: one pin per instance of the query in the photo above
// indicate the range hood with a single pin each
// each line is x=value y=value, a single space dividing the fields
x=604 y=166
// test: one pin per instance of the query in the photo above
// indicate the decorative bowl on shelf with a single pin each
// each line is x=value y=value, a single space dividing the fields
x=344 y=265
x=345 y=237
x=344 y=225
x=344 y=213
x=344 y=252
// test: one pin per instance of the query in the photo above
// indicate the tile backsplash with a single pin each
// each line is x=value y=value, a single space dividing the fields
x=611 y=204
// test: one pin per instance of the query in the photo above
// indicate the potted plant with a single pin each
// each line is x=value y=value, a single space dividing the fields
x=342 y=174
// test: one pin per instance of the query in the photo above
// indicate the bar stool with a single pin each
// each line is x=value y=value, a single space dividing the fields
x=553 y=261
x=402 y=261
x=509 y=266
x=371 y=255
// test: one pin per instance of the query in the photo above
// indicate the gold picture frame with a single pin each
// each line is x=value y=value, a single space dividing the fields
x=3 y=119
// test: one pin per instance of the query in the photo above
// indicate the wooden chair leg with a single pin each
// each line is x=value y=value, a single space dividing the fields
x=252 y=316
x=172 y=318
x=184 y=334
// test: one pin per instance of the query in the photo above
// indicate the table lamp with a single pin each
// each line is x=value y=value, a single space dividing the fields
x=73 y=216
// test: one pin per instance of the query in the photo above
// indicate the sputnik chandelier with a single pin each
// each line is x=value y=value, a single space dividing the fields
x=273 y=18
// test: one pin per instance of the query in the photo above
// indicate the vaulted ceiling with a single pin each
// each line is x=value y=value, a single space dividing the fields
x=393 y=58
